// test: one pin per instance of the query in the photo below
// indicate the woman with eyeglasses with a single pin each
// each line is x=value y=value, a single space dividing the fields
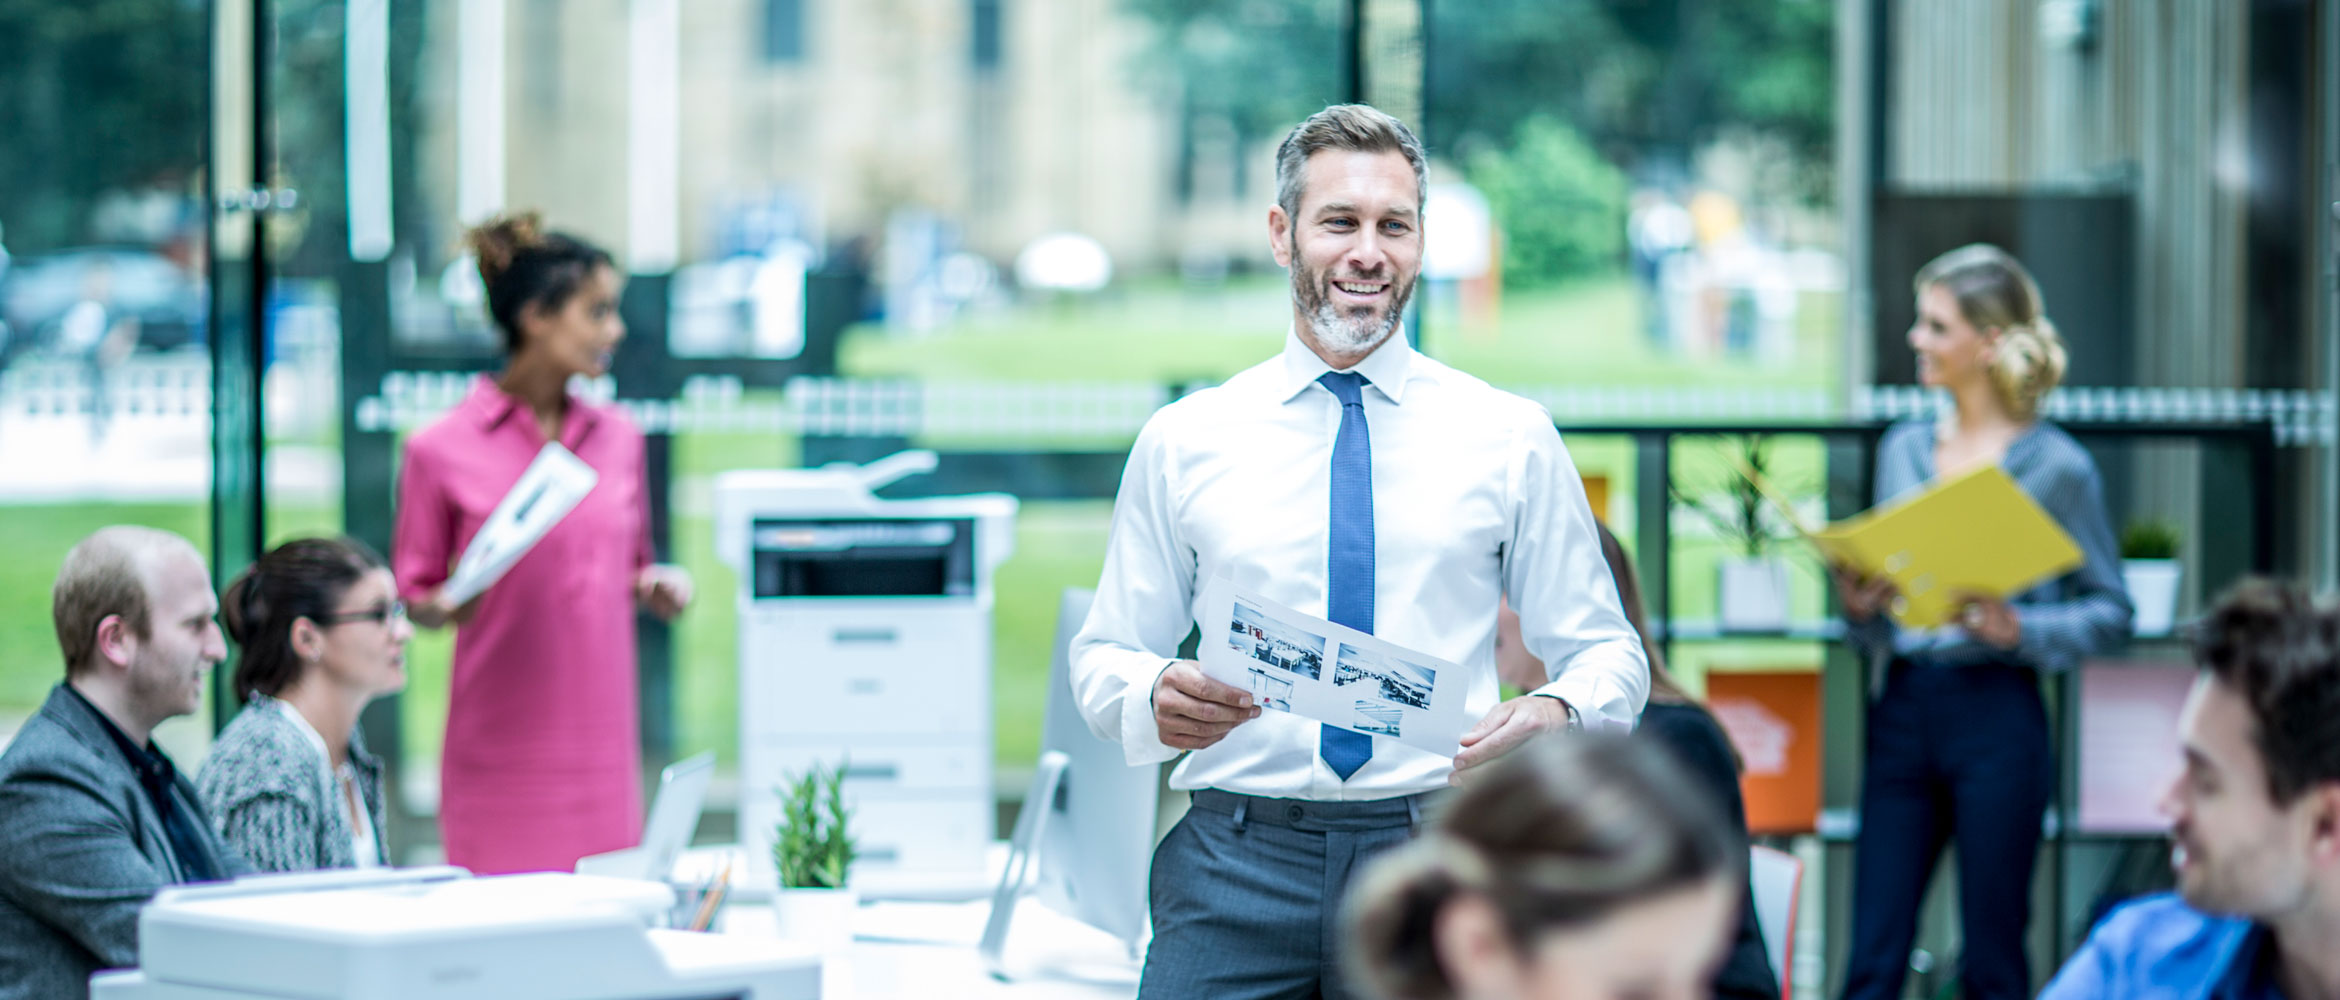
x=321 y=632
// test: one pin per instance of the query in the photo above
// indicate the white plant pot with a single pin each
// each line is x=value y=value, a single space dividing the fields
x=820 y=917
x=1754 y=594
x=2153 y=591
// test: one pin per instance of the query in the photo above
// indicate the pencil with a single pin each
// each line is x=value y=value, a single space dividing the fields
x=713 y=900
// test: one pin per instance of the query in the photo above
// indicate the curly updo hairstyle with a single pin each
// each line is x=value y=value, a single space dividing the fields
x=1994 y=292
x=521 y=265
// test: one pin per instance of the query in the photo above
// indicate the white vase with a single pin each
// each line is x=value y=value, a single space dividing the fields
x=820 y=917
x=1754 y=594
x=2153 y=592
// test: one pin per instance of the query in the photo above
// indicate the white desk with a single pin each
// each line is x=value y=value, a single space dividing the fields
x=927 y=950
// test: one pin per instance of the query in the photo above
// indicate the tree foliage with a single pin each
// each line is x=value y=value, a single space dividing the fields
x=1563 y=206
x=1646 y=82
x=95 y=96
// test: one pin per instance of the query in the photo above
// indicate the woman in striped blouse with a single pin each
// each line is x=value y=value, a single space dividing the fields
x=321 y=633
x=1958 y=742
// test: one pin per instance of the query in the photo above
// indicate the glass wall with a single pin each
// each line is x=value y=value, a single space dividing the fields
x=105 y=379
x=1640 y=202
x=1036 y=221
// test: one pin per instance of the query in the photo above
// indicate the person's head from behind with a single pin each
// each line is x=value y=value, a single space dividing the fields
x=317 y=612
x=1981 y=321
x=134 y=615
x=2256 y=813
x=1580 y=866
x=1350 y=182
x=554 y=296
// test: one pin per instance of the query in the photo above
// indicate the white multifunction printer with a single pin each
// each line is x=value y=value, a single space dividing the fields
x=865 y=638
x=440 y=934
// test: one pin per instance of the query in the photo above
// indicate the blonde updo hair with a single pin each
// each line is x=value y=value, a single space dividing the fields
x=1994 y=292
x=1564 y=832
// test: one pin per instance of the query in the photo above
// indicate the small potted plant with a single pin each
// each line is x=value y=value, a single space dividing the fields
x=2152 y=573
x=813 y=851
x=1751 y=582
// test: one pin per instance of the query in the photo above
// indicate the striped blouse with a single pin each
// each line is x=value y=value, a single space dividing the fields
x=2083 y=613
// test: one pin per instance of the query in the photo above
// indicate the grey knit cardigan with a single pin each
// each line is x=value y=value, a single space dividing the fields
x=274 y=801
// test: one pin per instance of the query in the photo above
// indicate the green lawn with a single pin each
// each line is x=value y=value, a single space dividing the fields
x=36 y=538
x=1583 y=335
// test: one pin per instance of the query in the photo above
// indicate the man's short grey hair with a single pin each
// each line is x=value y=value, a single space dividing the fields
x=109 y=573
x=1357 y=128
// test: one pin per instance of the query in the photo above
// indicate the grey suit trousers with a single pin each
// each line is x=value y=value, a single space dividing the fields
x=1247 y=891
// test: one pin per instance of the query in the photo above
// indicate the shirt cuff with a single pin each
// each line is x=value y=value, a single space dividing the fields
x=1141 y=740
x=1599 y=703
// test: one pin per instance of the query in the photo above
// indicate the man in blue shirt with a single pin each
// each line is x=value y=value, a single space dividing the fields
x=2255 y=821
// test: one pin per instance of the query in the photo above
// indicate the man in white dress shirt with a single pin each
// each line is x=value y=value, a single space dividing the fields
x=1356 y=479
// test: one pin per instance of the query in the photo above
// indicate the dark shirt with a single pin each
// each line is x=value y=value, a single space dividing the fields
x=1699 y=743
x=156 y=774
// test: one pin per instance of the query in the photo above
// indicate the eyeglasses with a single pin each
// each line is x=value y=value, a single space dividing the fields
x=380 y=614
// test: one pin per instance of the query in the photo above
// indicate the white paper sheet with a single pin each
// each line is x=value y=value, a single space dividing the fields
x=1334 y=674
x=546 y=492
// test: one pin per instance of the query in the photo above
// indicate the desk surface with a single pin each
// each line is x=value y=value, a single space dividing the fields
x=927 y=950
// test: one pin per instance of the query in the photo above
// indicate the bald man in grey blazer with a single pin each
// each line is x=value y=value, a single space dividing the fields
x=96 y=818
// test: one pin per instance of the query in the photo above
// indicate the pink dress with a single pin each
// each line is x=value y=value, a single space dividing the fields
x=543 y=755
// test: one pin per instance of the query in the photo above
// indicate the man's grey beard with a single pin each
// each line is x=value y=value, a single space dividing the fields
x=1334 y=331
x=1352 y=335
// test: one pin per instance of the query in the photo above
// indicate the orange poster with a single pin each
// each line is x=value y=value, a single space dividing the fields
x=1774 y=720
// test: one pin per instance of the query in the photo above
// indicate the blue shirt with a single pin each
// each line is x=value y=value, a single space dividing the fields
x=2158 y=948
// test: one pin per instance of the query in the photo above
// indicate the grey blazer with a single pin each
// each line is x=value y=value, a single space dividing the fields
x=81 y=849
x=272 y=799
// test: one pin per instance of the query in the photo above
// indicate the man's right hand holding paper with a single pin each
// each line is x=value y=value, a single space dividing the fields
x=1192 y=711
x=1863 y=596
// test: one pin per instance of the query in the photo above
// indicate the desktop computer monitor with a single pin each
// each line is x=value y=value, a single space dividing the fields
x=1087 y=824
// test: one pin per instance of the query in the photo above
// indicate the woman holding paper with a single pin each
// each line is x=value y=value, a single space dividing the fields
x=541 y=764
x=1958 y=742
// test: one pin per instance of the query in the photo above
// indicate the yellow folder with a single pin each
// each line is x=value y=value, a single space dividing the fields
x=1976 y=533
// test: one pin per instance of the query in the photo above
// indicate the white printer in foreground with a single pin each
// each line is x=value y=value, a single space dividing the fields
x=865 y=639
x=440 y=934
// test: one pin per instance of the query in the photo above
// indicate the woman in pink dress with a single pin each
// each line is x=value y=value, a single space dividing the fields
x=542 y=763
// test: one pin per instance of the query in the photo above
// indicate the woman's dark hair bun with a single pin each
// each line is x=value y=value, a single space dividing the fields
x=498 y=241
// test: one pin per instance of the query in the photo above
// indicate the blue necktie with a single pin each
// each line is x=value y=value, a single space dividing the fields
x=1348 y=571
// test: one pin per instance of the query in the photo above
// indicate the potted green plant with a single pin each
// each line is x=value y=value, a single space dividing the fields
x=1751 y=582
x=813 y=851
x=2152 y=573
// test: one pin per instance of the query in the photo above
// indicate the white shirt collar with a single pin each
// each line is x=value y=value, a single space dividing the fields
x=1387 y=367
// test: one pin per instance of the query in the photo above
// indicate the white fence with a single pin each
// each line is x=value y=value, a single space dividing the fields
x=153 y=439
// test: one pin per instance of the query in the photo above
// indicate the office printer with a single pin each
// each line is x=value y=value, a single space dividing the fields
x=441 y=934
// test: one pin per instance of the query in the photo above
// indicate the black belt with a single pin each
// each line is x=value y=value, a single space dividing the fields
x=1313 y=814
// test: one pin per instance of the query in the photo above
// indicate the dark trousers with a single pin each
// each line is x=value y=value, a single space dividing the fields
x=1246 y=894
x=1953 y=751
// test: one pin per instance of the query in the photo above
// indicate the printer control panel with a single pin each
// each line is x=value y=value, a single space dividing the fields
x=862 y=557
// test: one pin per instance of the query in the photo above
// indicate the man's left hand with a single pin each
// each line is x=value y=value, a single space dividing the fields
x=1512 y=723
